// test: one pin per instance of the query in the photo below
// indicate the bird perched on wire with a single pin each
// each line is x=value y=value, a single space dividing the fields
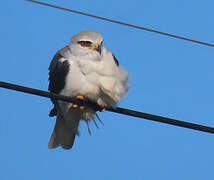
x=84 y=69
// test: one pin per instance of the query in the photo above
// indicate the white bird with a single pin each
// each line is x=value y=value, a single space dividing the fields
x=83 y=69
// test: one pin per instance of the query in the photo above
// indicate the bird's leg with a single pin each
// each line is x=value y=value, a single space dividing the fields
x=80 y=97
x=102 y=109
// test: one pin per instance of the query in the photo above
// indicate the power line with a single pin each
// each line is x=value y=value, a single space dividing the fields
x=111 y=109
x=122 y=23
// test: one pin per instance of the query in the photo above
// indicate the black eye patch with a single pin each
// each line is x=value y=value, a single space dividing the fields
x=85 y=43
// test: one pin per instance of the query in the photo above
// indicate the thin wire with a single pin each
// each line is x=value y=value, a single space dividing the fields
x=122 y=23
x=111 y=109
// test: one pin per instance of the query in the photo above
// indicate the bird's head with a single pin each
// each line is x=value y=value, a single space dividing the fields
x=87 y=43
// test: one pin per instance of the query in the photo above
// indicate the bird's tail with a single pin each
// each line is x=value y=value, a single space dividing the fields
x=64 y=131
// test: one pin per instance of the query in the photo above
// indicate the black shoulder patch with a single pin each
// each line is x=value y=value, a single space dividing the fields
x=57 y=76
x=115 y=60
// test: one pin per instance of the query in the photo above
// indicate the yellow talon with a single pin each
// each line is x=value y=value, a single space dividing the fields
x=82 y=107
x=74 y=105
x=80 y=97
x=103 y=109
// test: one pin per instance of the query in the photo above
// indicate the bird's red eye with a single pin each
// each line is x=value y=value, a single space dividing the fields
x=85 y=43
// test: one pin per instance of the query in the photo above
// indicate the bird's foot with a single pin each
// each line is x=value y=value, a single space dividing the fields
x=103 y=109
x=80 y=97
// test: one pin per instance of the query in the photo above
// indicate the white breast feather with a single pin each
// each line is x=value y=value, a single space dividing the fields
x=102 y=81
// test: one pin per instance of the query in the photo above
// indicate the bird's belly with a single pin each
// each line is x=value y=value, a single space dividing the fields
x=78 y=83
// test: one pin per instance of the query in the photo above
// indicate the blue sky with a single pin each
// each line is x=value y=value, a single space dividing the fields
x=169 y=77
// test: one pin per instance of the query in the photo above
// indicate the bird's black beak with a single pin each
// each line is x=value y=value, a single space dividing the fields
x=99 y=49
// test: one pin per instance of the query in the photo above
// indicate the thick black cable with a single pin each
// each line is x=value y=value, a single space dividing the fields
x=122 y=23
x=111 y=109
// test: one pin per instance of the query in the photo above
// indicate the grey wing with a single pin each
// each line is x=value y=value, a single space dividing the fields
x=58 y=71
